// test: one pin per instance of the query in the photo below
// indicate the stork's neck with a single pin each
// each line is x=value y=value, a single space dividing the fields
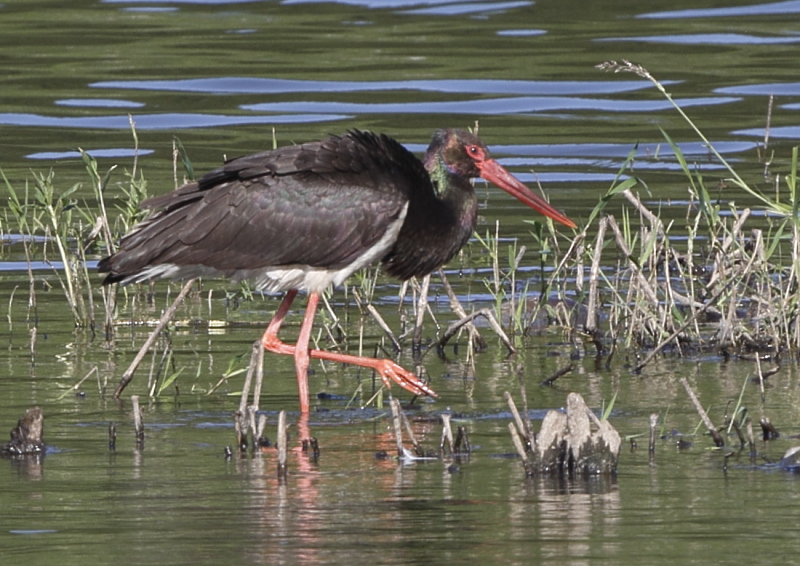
x=452 y=189
x=441 y=175
x=437 y=224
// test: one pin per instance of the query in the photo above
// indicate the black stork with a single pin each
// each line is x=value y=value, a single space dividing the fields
x=303 y=217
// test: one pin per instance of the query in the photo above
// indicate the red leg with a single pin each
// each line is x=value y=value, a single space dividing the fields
x=270 y=339
x=272 y=343
x=301 y=359
x=387 y=370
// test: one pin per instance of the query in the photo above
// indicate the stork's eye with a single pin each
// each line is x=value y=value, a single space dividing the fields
x=475 y=152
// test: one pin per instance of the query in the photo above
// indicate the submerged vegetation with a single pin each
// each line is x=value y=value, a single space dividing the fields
x=632 y=287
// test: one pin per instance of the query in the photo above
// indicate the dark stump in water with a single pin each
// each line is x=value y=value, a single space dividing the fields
x=26 y=437
x=571 y=443
x=567 y=443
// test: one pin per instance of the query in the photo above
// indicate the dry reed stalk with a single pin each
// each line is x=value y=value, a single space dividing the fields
x=259 y=375
x=31 y=285
x=654 y=352
x=385 y=327
x=335 y=323
x=489 y=316
x=162 y=323
x=32 y=343
x=579 y=267
x=109 y=294
x=152 y=380
x=643 y=211
x=738 y=429
x=397 y=424
x=715 y=435
x=644 y=284
x=455 y=306
x=527 y=429
x=76 y=387
x=513 y=286
x=594 y=275
x=520 y=425
x=411 y=436
x=520 y=448
x=766 y=130
x=422 y=305
x=791 y=284
x=556 y=374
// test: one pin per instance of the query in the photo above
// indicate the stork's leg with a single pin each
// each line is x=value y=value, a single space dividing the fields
x=272 y=343
x=301 y=359
x=387 y=370
x=270 y=339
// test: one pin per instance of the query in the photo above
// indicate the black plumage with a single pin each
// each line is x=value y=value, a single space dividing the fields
x=307 y=216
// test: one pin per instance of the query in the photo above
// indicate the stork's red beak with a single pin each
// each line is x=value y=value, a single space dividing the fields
x=495 y=173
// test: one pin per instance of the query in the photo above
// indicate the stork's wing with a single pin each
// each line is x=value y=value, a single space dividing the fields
x=319 y=205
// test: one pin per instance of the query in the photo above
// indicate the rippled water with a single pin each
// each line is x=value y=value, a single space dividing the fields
x=220 y=75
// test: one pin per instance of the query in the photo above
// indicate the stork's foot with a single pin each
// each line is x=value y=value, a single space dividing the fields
x=392 y=372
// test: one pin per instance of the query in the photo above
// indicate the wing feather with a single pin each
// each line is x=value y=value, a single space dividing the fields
x=319 y=205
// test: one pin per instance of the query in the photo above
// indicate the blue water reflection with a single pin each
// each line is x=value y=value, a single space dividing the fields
x=113 y=153
x=708 y=39
x=486 y=107
x=265 y=85
x=772 y=8
x=464 y=8
x=98 y=103
x=764 y=89
x=521 y=32
x=166 y=121
x=780 y=132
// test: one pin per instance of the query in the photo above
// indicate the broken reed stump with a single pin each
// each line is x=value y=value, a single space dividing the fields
x=559 y=373
x=310 y=447
x=138 y=425
x=397 y=425
x=245 y=421
x=282 y=442
x=566 y=444
x=457 y=447
x=768 y=430
x=26 y=437
x=447 y=445
x=462 y=445
x=651 y=445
